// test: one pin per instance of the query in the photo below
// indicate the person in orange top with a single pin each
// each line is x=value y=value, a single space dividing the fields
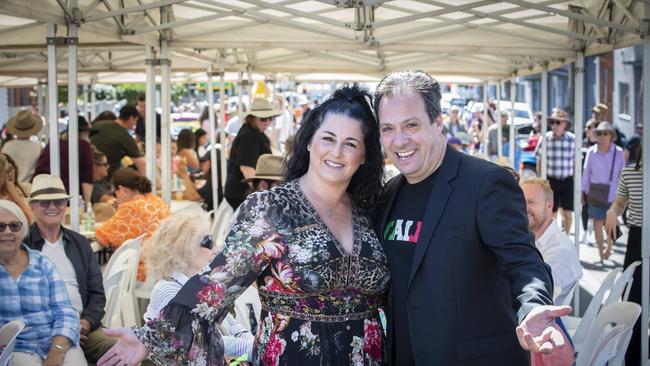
x=139 y=212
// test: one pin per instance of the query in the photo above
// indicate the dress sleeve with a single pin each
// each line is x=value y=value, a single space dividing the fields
x=186 y=330
x=119 y=227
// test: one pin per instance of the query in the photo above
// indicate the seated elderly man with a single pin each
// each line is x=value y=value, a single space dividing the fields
x=556 y=248
x=32 y=290
x=73 y=258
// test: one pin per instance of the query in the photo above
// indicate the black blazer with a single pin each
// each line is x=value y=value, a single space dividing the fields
x=476 y=272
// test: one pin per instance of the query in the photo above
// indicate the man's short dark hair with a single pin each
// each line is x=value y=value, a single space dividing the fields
x=141 y=97
x=402 y=83
x=128 y=111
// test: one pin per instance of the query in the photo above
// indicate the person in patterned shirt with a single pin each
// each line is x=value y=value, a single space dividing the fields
x=139 y=212
x=560 y=152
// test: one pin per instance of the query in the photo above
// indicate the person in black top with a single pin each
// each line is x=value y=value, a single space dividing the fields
x=250 y=143
x=140 y=127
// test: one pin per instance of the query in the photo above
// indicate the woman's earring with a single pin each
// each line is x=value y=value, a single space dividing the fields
x=363 y=162
x=308 y=148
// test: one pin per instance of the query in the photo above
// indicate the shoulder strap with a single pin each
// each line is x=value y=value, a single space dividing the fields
x=611 y=170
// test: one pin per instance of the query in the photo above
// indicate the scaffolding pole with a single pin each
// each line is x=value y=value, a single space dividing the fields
x=579 y=76
x=52 y=101
x=73 y=122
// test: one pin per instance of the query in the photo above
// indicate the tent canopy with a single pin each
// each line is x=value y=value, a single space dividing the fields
x=483 y=39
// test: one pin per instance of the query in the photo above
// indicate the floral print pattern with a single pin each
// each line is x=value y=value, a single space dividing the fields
x=320 y=305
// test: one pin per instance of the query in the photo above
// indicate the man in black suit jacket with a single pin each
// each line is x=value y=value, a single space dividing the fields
x=468 y=285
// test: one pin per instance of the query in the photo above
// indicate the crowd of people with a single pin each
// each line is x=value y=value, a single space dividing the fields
x=318 y=232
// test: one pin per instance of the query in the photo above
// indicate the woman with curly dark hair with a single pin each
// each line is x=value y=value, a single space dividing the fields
x=320 y=269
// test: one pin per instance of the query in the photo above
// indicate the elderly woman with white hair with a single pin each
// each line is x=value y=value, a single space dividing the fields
x=33 y=291
x=177 y=251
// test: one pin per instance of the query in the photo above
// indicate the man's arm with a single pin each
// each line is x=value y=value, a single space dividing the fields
x=93 y=310
x=503 y=226
x=141 y=164
x=191 y=192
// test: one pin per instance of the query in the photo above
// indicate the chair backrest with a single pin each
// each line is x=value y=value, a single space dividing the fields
x=609 y=334
x=8 y=336
x=115 y=284
x=222 y=219
x=621 y=289
x=594 y=307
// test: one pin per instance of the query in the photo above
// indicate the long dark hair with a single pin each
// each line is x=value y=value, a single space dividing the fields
x=353 y=102
x=185 y=139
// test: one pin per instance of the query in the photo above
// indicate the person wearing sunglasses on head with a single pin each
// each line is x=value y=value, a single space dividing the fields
x=73 y=258
x=560 y=150
x=33 y=291
x=177 y=251
x=250 y=143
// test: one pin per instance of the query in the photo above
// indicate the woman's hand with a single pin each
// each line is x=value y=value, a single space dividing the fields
x=611 y=221
x=127 y=351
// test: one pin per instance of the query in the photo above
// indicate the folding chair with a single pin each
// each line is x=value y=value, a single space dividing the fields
x=222 y=218
x=8 y=338
x=621 y=288
x=119 y=284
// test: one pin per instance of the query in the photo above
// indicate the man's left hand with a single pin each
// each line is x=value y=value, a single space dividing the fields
x=83 y=334
x=539 y=332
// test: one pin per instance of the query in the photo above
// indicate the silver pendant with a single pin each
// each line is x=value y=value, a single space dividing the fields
x=330 y=212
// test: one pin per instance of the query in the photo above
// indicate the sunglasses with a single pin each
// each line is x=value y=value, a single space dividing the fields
x=554 y=122
x=13 y=226
x=58 y=203
x=207 y=242
x=602 y=133
x=266 y=119
x=101 y=164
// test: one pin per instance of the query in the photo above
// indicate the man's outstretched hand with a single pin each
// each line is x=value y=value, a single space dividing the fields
x=539 y=332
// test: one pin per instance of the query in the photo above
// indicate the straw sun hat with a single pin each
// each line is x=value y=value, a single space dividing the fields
x=24 y=124
x=47 y=187
x=268 y=167
x=262 y=108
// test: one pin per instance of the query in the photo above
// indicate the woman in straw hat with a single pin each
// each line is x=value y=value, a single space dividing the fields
x=24 y=151
x=250 y=143
x=602 y=170
x=309 y=246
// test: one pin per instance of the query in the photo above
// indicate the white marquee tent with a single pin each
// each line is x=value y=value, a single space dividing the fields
x=491 y=41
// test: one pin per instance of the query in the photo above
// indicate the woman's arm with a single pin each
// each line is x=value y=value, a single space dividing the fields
x=249 y=172
x=19 y=199
x=190 y=158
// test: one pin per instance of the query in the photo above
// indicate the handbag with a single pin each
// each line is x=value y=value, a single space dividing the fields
x=598 y=195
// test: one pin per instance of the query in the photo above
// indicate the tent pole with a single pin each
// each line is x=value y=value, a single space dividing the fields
x=150 y=114
x=579 y=76
x=645 y=234
x=544 y=127
x=73 y=132
x=209 y=90
x=165 y=128
x=52 y=101
x=93 y=98
x=513 y=136
x=498 y=121
x=222 y=117
x=484 y=127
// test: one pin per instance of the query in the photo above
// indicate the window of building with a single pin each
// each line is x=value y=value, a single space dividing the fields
x=624 y=98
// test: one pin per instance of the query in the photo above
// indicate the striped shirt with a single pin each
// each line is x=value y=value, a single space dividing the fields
x=630 y=186
x=40 y=299
x=560 y=154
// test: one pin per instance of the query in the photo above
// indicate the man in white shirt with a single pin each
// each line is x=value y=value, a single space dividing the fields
x=556 y=248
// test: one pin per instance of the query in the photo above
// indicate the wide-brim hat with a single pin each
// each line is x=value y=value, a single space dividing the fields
x=24 y=124
x=600 y=108
x=268 y=167
x=262 y=108
x=559 y=115
x=47 y=187
x=606 y=126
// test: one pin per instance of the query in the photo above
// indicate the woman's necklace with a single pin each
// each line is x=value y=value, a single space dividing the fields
x=329 y=211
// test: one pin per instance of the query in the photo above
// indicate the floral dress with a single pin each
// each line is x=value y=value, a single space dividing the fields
x=320 y=306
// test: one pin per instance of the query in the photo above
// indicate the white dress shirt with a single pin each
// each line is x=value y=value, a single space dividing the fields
x=560 y=253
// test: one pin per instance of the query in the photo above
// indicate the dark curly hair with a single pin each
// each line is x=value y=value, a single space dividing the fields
x=353 y=102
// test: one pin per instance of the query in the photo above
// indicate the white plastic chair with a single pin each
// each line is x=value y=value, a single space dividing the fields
x=222 y=218
x=8 y=337
x=119 y=284
x=621 y=289
x=609 y=335
x=143 y=291
x=578 y=327
x=242 y=311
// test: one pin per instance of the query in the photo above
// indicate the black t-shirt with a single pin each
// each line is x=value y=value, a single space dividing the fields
x=400 y=236
x=247 y=147
x=206 y=191
x=140 y=127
